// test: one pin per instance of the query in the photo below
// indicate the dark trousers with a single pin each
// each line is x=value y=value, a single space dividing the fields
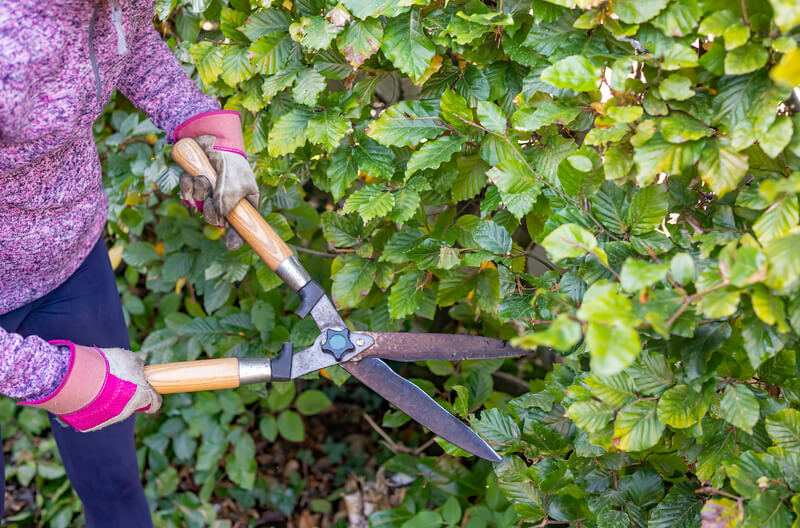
x=102 y=465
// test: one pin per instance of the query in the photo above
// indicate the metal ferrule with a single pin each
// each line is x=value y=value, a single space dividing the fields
x=254 y=370
x=293 y=273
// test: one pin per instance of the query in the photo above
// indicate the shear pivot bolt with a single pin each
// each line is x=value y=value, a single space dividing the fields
x=337 y=342
x=360 y=341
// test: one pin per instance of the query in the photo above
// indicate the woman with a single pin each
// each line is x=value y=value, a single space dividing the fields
x=63 y=342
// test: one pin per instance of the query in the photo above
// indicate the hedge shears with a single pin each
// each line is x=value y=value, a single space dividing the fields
x=359 y=353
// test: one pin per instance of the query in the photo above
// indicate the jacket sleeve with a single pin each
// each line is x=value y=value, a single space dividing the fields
x=30 y=367
x=154 y=81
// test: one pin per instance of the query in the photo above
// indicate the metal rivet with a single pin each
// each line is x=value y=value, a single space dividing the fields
x=360 y=341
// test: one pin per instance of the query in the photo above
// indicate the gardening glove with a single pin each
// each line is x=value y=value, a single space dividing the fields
x=102 y=386
x=219 y=134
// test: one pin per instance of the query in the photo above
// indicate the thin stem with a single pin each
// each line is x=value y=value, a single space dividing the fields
x=323 y=254
x=692 y=298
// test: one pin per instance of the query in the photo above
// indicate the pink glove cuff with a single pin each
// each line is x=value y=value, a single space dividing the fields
x=85 y=378
x=224 y=125
x=89 y=394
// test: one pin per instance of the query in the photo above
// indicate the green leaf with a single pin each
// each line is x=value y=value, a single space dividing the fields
x=492 y=237
x=519 y=187
x=327 y=128
x=657 y=155
x=290 y=426
x=679 y=509
x=353 y=281
x=651 y=373
x=342 y=172
x=405 y=44
x=433 y=153
x=289 y=132
x=612 y=346
x=637 y=426
x=312 y=402
x=434 y=254
x=308 y=86
x=680 y=407
x=638 y=11
x=784 y=429
x=406 y=123
x=370 y=201
x=455 y=110
x=592 y=416
x=424 y=519
x=406 y=294
x=241 y=467
x=208 y=58
x=269 y=53
x=720 y=168
x=361 y=40
x=777 y=221
x=575 y=73
x=236 y=66
x=373 y=159
x=739 y=407
x=562 y=334
x=676 y=87
x=406 y=203
x=773 y=140
x=784 y=263
x=682 y=268
x=491 y=117
x=745 y=59
x=638 y=274
x=787 y=14
x=313 y=32
x=569 y=241
x=497 y=427
x=532 y=119
x=680 y=128
x=471 y=177
x=266 y=21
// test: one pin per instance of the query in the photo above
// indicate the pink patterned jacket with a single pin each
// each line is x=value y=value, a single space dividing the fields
x=60 y=60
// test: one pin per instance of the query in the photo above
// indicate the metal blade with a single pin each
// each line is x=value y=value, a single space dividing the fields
x=413 y=401
x=399 y=346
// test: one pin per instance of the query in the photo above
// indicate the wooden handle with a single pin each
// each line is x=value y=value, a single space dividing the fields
x=191 y=376
x=244 y=218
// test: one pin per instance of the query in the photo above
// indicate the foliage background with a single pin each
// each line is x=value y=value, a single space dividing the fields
x=426 y=160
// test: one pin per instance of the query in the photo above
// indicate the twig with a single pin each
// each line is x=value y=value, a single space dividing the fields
x=744 y=14
x=692 y=298
x=301 y=249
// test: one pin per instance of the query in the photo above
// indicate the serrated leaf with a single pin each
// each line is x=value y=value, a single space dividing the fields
x=679 y=509
x=353 y=281
x=406 y=294
x=208 y=58
x=311 y=402
x=784 y=429
x=637 y=427
x=491 y=117
x=308 y=86
x=720 y=168
x=342 y=172
x=370 y=201
x=327 y=128
x=407 y=46
x=497 y=427
x=680 y=407
x=406 y=123
x=739 y=407
x=745 y=59
x=777 y=221
x=433 y=153
x=361 y=40
x=492 y=237
x=374 y=159
x=575 y=73
x=471 y=177
x=569 y=241
x=289 y=132
x=269 y=53
x=519 y=188
x=313 y=32
x=592 y=416
x=532 y=119
x=236 y=66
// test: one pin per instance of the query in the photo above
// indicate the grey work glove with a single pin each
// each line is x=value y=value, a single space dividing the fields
x=235 y=181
